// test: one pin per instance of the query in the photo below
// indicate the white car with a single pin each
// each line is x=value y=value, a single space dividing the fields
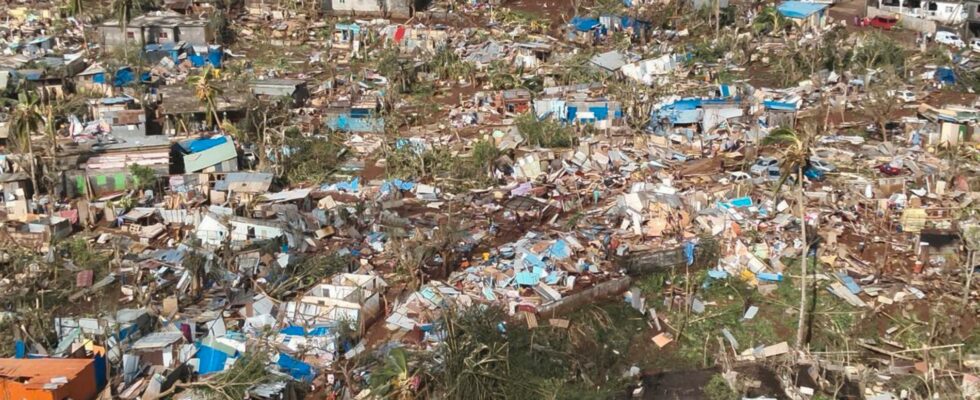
x=905 y=96
x=975 y=44
x=738 y=176
x=949 y=38
x=822 y=165
x=762 y=165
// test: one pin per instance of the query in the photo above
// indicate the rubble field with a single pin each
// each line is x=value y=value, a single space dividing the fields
x=489 y=199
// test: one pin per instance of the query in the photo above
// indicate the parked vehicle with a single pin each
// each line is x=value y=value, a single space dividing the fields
x=891 y=128
x=890 y=170
x=882 y=22
x=822 y=165
x=762 y=165
x=738 y=176
x=905 y=96
x=975 y=44
x=949 y=38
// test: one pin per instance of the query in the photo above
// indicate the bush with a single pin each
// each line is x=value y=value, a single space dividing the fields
x=718 y=389
x=547 y=133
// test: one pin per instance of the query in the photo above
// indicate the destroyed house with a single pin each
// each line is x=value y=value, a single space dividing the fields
x=702 y=114
x=247 y=230
x=352 y=298
x=361 y=117
x=48 y=378
x=410 y=39
x=180 y=110
x=580 y=108
x=97 y=80
x=108 y=170
x=126 y=325
x=122 y=115
x=241 y=187
x=165 y=349
x=157 y=27
x=511 y=101
x=345 y=35
x=532 y=54
x=208 y=155
x=295 y=89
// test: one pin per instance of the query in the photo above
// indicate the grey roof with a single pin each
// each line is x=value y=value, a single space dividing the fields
x=160 y=18
x=611 y=60
x=157 y=340
x=245 y=182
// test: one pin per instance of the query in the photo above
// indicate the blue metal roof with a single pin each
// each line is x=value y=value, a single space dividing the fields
x=799 y=9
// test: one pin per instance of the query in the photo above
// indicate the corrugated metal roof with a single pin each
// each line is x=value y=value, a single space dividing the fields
x=39 y=371
x=157 y=340
x=198 y=161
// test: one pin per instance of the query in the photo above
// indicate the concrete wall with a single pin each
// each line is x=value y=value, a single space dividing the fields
x=907 y=22
x=194 y=35
x=645 y=262
x=571 y=303
x=394 y=8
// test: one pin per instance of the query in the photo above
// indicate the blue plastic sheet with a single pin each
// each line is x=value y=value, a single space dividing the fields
x=689 y=252
x=295 y=368
x=211 y=360
x=559 y=250
x=200 y=145
x=584 y=24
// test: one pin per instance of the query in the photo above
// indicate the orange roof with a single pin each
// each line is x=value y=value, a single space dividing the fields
x=39 y=371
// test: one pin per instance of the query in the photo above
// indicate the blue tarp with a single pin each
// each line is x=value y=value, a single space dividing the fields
x=351 y=186
x=584 y=24
x=779 y=105
x=293 y=330
x=799 y=9
x=20 y=349
x=399 y=184
x=215 y=54
x=197 y=60
x=945 y=75
x=689 y=252
x=211 y=360
x=99 y=77
x=726 y=90
x=559 y=250
x=768 y=276
x=741 y=202
x=295 y=368
x=199 y=145
x=123 y=77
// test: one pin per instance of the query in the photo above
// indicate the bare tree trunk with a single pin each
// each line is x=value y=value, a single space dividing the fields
x=969 y=276
x=803 y=266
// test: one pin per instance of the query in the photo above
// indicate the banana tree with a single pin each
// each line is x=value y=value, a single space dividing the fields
x=26 y=120
x=207 y=93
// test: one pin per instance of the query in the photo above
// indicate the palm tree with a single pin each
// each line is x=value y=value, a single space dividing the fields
x=26 y=120
x=74 y=8
x=123 y=10
x=207 y=93
x=795 y=154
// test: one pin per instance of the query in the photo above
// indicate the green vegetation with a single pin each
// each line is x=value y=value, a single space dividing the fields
x=547 y=133
x=718 y=389
x=312 y=159
x=143 y=177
